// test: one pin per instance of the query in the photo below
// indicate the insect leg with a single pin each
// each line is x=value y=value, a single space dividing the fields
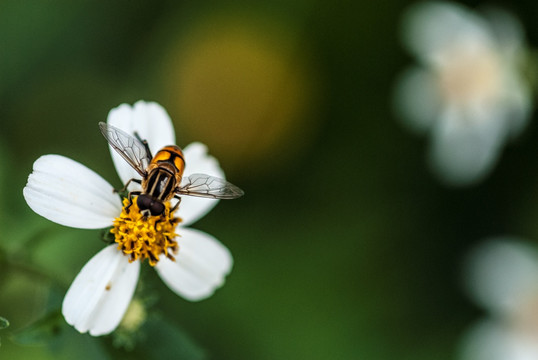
x=130 y=197
x=177 y=204
x=145 y=142
x=127 y=184
x=156 y=222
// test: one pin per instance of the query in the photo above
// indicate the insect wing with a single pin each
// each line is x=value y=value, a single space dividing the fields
x=129 y=147
x=207 y=186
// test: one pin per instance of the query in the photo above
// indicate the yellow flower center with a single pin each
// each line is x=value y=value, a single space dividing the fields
x=145 y=237
x=471 y=75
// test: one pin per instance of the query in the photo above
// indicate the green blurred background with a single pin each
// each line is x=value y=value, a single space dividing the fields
x=345 y=245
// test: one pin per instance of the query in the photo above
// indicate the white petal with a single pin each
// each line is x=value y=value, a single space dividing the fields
x=517 y=102
x=501 y=274
x=488 y=340
x=417 y=99
x=68 y=193
x=507 y=29
x=200 y=267
x=198 y=161
x=101 y=292
x=466 y=143
x=150 y=121
x=430 y=29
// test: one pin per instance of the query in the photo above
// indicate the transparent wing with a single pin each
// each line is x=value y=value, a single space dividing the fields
x=129 y=147
x=203 y=185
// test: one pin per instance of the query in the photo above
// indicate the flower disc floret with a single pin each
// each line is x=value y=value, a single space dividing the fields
x=145 y=237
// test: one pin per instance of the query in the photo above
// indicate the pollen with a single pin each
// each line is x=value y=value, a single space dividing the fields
x=145 y=237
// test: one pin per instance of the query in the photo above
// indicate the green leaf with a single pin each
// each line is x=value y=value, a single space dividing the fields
x=164 y=340
x=4 y=323
x=42 y=331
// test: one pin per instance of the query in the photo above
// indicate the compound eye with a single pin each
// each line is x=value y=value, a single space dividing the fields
x=156 y=208
x=144 y=202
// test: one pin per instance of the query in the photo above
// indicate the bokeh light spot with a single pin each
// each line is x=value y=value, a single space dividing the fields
x=243 y=88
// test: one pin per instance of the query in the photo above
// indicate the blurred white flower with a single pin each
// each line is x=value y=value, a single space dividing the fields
x=501 y=275
x=68 y=193
x=468 y=92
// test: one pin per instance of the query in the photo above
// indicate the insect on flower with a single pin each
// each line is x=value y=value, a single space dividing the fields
x=192 y=263
x=162 y=174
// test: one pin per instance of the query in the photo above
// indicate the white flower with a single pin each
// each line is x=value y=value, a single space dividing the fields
x=68 y=193
x=468 y=92
x=502 y=276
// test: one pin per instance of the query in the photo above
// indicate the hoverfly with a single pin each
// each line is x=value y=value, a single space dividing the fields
x=162 y=174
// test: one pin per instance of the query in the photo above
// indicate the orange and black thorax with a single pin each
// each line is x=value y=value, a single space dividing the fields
x=164 y=173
